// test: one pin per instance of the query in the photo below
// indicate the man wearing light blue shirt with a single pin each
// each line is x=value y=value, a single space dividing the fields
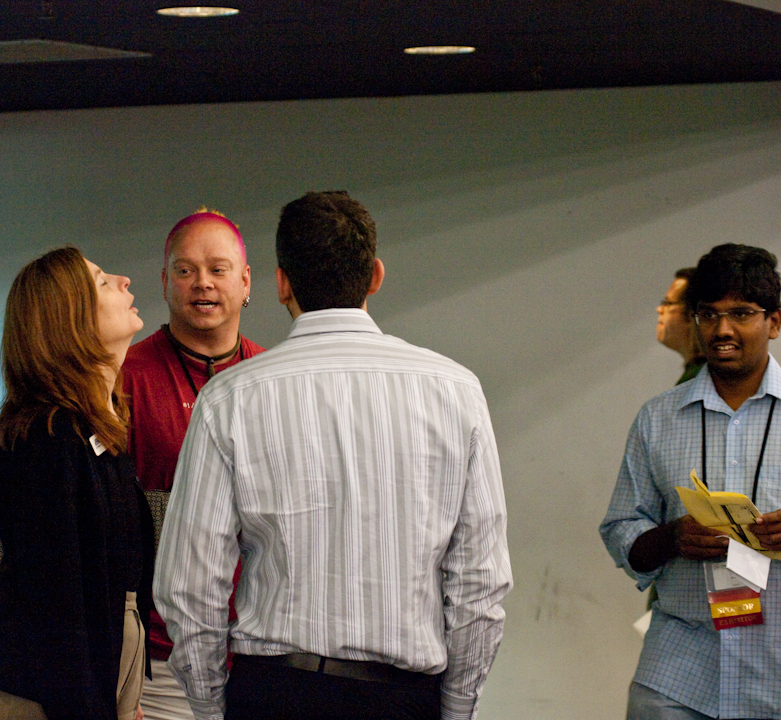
x=725 y=424
x=358 y=477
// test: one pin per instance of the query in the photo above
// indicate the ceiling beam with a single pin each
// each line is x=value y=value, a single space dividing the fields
x=773 y=5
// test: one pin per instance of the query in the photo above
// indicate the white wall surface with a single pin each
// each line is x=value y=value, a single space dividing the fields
x=529 y=236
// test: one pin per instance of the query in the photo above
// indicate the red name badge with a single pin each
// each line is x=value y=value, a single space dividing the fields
x=735 y=607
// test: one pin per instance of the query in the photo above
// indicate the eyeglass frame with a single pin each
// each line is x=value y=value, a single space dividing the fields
x=729 y=314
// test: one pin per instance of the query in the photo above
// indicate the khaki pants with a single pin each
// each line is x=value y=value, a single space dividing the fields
x=131 y=664
x=16 y=708
x=163 y=698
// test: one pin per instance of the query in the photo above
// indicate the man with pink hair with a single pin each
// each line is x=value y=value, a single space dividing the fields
x=206 y=282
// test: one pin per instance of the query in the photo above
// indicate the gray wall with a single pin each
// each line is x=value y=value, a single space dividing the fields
x=529 y=236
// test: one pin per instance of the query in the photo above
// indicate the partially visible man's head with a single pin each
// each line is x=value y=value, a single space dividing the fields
x=740 y=272
x=326 y=243
x=674 y=328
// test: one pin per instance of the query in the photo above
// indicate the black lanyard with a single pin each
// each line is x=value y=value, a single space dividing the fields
x=181 y=349
x=761 y=452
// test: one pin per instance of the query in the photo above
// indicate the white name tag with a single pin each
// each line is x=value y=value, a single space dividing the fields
x=97 y=446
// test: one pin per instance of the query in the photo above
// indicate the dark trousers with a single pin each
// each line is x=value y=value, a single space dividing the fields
x=256 y=691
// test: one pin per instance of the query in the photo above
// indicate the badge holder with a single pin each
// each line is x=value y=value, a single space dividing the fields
x=733 y=602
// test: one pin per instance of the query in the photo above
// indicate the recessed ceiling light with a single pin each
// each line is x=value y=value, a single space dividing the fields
x=439 y=50
x=197 y=11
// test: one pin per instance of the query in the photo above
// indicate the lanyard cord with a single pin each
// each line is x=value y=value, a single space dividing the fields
x=761 y=452
x=180 y=349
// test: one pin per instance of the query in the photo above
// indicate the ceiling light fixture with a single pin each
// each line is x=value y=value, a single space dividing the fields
x=197 y=11
x=439 y=50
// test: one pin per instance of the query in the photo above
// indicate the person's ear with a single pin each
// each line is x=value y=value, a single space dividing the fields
x=378 y=275
x=245 y=279
x=284 y=291
x=775 y=323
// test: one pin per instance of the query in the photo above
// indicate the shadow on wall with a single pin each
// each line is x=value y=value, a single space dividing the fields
x=125 y=170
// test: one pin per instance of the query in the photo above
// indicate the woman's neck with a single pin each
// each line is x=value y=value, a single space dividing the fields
x=110 y=376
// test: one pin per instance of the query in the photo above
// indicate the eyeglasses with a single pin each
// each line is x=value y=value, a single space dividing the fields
x=736 y=316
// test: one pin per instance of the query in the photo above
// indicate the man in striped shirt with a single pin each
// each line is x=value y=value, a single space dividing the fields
x=361 y=477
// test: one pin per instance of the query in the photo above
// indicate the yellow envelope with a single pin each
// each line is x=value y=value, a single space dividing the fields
x=729 y=512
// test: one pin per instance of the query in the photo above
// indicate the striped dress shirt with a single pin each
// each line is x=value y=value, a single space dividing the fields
x=734 y=673
x=358 y=478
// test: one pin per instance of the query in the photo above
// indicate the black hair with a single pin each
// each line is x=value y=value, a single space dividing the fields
x=685 y=273
x=326 y=242
x=738 y=271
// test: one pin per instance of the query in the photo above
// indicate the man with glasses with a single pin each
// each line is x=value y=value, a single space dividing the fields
x=721 y=424
x=675 y=328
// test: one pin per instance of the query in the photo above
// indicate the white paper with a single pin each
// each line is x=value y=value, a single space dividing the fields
x=752 y=566
x=642 y=623
x=724 y=579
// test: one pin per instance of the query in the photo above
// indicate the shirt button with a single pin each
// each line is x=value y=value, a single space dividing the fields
x=737 y=422
x=734 y=462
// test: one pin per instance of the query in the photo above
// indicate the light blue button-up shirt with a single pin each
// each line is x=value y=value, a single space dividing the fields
x=734 y=673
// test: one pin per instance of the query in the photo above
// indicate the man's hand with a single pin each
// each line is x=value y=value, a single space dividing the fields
x=697 y=542
x=684 y=537
x=768 y=530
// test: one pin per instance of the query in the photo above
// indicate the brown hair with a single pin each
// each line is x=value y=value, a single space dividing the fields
x=53 y=358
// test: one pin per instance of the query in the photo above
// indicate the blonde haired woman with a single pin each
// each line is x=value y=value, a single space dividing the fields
x=74 y=526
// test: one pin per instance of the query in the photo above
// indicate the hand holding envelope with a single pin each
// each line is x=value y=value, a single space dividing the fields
x=732 y=514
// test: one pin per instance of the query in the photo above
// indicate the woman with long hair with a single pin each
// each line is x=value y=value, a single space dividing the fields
x=75 y=529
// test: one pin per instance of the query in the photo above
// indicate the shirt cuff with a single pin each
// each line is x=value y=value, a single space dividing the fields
x=620 y=546
x=457 y=707
x=206 y=709
x=644 y=580
x=212 y=708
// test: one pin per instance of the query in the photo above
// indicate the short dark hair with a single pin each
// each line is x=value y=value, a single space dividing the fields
x=326 y=242
x=738 y=271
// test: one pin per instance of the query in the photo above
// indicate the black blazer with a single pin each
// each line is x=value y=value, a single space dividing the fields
x=76 y=532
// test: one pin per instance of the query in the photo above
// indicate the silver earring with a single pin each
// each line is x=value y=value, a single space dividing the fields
x=245 y=302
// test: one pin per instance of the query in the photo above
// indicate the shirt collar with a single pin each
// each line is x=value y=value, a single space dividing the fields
x=333 y=320
x=702 y=387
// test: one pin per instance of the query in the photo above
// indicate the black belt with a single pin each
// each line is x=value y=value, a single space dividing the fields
x=354 y=669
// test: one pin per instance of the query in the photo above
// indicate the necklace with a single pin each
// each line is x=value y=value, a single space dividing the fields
x=210 y=360
x=761 y=452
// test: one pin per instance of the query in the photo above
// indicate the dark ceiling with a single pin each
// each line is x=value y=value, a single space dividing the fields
x=280 y=50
